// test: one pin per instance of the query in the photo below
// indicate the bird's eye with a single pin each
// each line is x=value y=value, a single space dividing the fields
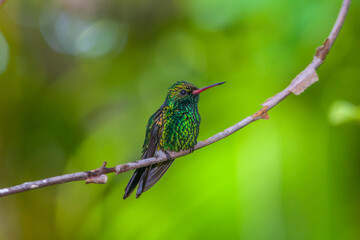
x=183 y=92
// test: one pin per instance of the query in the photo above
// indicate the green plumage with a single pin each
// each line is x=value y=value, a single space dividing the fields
x=178 y=120
x=173 y=127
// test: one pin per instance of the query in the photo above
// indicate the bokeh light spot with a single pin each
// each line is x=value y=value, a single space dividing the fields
x=72 y=35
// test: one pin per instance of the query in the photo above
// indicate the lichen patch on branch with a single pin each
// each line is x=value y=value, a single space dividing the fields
x=102 y=179
x=304 y=80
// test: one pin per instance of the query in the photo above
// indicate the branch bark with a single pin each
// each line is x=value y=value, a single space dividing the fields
x=301 y=82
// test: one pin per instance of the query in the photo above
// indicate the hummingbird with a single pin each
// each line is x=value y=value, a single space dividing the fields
x=173 y=127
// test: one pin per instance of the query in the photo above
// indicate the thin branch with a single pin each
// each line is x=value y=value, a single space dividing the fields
x=302 y=81
x=2 y=2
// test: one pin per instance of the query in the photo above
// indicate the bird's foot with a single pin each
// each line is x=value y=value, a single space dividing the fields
x=192 y=150
x=168 y=157
x=163 y=153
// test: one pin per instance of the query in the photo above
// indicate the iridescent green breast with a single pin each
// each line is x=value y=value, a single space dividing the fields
x=181 y=128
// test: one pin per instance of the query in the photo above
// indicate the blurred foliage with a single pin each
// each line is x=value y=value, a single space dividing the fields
x=342 y=112
x=79 y=79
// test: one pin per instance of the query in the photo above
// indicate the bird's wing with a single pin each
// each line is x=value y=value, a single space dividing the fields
x=153 y=173
x=146 y=177
x=156 y=171
x=152 y=135
x=150 y=145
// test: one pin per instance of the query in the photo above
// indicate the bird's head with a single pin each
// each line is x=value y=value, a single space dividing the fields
x=182 y=92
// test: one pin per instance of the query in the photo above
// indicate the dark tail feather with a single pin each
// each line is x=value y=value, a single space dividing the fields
x=156 y=173
x=133 y=182
x=151 y=176
x=142 y=182
x=146 y=177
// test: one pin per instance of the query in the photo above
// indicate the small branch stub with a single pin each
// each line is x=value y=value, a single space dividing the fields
x=262 y=114
x=97 y=176
x=323 y=50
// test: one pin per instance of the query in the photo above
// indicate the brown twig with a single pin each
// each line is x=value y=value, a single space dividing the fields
x=302 y=81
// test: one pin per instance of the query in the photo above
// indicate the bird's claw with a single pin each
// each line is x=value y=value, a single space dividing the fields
x=168 y=157
x=192 y=150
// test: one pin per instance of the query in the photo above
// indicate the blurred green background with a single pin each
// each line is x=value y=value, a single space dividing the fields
x=79 y=79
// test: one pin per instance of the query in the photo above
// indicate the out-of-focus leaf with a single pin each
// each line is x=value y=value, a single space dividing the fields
x=341 y=112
